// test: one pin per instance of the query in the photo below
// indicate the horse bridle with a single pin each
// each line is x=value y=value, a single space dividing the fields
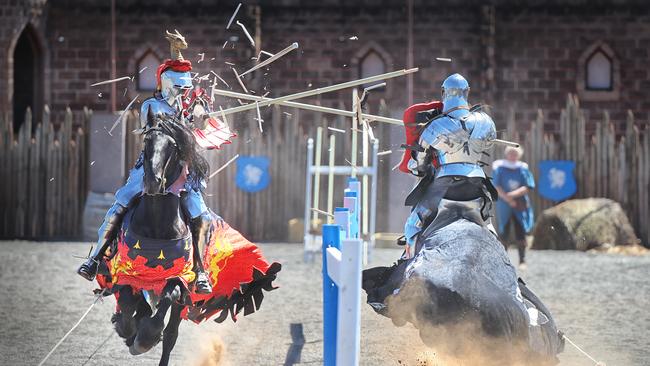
x=166 y=130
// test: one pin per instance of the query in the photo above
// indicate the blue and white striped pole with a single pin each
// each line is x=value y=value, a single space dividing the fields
x=348 y=334
x=331 y=239
x=342 y=263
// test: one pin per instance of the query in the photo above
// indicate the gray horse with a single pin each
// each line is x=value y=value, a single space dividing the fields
x=461 y=291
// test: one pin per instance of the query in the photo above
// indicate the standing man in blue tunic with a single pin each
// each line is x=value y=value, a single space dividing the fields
x=513 y=180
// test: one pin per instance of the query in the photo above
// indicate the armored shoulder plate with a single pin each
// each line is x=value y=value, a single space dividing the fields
x=157 y=107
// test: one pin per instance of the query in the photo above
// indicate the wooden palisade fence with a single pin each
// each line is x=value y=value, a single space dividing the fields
x=44 y=174
x=607 y=165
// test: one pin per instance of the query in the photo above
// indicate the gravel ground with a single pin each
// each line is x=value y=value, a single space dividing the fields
x=601 y=301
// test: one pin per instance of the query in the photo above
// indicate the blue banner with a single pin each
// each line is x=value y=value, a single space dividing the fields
x=253 y=173
x=556 y=179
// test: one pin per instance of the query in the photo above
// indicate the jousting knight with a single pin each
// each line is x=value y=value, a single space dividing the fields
x=176 y=96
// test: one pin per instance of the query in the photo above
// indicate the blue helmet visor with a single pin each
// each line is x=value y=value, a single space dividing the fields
x=181 y=80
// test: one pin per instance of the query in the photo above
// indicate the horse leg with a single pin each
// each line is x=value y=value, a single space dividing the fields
x=150 y=328
x=143 y=311
x=125 y=324
x=171 y=333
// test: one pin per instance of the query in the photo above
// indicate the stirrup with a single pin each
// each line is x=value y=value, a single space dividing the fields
x=88 y=269
x=202 y=283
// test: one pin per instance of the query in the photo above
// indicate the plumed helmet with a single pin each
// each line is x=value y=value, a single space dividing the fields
x=455 y=90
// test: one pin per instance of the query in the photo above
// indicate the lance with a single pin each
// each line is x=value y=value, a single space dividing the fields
x=318 y=108
x=287 y=101
x=505 y=143
x=316 y=91
x=311 y=107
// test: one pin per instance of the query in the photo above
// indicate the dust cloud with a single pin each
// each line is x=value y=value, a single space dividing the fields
x=459 y=340
x=212 y=352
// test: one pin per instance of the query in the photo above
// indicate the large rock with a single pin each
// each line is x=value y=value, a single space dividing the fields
x=582 y=225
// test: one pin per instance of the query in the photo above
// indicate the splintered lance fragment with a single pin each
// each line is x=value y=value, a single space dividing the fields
x=122 y=115
x=350 y=163
x=112 y=81
x=336 y=129
x=223 y=115
x=371 y=134
x=322 y=212
x=292 y=47
x=232 y=18
x=224 y=166
x=259 y=117
x=248 y=35
x=382 y=153
x=241 y=83
x=222 y=80
x=443 y=59
x=202 y=54
x=214 y=85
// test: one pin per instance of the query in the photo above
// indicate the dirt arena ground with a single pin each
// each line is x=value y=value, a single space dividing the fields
x=601 y=301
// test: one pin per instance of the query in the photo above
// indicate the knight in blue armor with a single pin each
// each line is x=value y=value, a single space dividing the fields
x=448 y=160
x=454 y=264
x=174 y=80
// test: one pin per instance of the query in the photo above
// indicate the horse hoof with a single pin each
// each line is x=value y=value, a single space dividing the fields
x=137 y=349
x=124 y=326
x=148 y=335
x=129 y=341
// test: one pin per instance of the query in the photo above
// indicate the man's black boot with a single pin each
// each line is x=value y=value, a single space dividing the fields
x=107 y=233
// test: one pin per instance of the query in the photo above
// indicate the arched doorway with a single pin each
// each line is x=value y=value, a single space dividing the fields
x=27 y=77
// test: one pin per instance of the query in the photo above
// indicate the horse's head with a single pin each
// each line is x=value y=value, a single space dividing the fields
x=168 y=148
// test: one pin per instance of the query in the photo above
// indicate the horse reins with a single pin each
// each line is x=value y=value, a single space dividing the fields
x=167 y=131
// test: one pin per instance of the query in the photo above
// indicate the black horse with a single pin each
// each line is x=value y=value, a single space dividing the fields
x=169 y=148
x=462 y=293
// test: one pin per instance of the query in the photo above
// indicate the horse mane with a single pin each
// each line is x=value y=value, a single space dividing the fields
x=198 y=166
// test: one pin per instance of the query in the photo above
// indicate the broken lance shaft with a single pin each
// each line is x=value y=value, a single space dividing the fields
x=293 y=46
x=505 y=143
x=316 y=91
x=311 y=107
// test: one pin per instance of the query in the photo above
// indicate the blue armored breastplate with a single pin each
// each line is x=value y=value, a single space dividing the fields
x=461 y=140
